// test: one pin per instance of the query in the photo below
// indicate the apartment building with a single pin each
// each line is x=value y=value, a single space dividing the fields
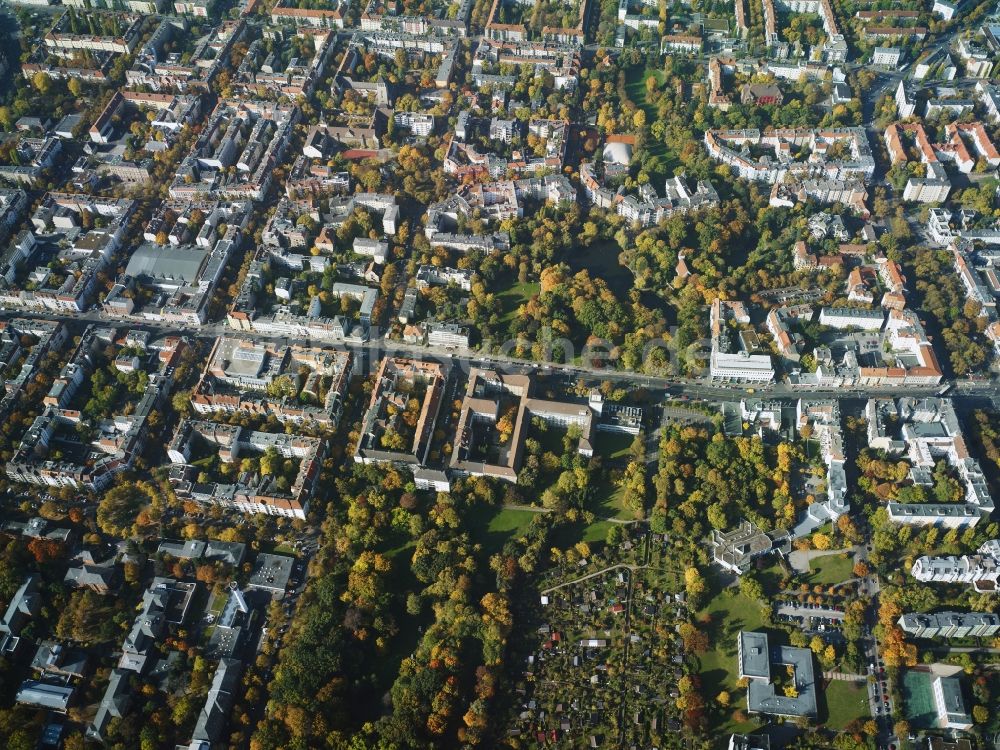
x=948 y=625
x=981 y=570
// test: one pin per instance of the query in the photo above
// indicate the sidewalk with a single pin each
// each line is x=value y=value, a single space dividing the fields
x=845 y=676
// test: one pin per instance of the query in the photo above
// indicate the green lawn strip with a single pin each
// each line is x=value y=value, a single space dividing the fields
x=770 y=579
x=608 y=501
x=613 y=445
x=515 y=296
x=731 y=612
x=218 y=603
x=597 y=532
x=492 y=526
x=403 y=552
x=845 y=702
x=834 y=568
x=635 y=87
x=565 y=535
x=411 y=627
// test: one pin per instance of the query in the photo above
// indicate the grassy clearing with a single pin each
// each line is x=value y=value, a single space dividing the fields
x=597 y=532
x=568 y=534
x=731 y=612
x=550 y=438
x=845 y=702
x=492 y=527
x=613 y=445
x=635 y=87
x=831 y=568
x=608 y=501
x=515 y=296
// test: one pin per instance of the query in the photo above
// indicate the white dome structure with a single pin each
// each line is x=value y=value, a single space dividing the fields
x=618 y=153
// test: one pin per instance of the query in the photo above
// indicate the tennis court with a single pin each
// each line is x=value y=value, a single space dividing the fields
x=918 y=698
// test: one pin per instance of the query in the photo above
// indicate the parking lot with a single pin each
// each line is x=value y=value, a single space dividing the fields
x=801 y=613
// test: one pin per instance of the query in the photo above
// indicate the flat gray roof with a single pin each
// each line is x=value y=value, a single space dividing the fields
x=954 y=703
x=190 y=549
x=55 y=697
x=271 y=572
x=183 y=263
x=762 y=696
x=928 y=429
x=754 y=657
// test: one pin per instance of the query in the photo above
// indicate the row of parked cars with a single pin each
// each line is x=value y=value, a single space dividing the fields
x=818 y=623
x=806 y=605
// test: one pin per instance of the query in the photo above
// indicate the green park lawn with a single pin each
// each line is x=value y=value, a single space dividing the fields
x=845 y=702
x=613 y=445
x=608 y=501
x=597 y=532
x=515 y=296
x=492 y=527
x=731 y=612
x=635 y=87
x=834 y=568
x=567 y=534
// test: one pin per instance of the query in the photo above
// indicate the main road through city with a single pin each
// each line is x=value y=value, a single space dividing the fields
x=988 y=389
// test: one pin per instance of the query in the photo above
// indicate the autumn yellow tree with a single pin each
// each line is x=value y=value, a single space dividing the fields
x=821 y=541
x=694 y=585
